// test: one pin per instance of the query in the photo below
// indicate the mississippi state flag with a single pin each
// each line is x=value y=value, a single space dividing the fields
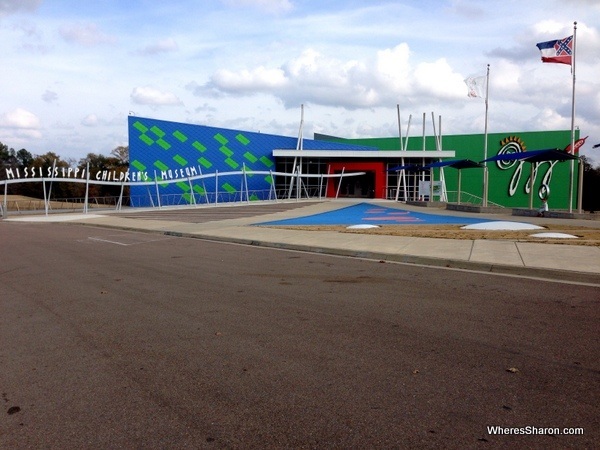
x=559 y=51
x=578 y=143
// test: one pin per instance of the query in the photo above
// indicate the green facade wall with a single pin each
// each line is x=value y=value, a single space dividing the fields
x=508 y=182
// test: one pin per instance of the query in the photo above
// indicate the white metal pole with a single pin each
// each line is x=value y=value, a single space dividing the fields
x=431 y=184
x=245 y=182
x=216 y=187
x=340 y=183
x=51 y=180
x=301 y=143
x=423 y=158
x=320 y=186
x=272 y=190
x=485 y=142
x=459 y=180
x=156 y=187
x=580 y=188
x=193 y=202
x=298 y=148
x=531 y=183
x=120 y=202
x=45 y=197
x=404 y=149
x=398 y=184
x=437 y=148
x=444 y=190
x=87 y=188
x=204 y=186
x=399 y=175
x=5 y=209
x=573 y=117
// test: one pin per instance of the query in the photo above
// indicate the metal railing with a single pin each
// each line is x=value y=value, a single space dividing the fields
x=154 y=198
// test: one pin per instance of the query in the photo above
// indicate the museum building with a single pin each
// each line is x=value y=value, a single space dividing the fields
x=196 y=164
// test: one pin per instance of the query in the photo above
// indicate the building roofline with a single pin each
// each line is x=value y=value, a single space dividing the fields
x=379 y=154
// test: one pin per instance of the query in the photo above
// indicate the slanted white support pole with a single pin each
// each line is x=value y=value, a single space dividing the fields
x=320 y=186
x=193 y=202
x=120 y=202
x=402 y=174
x=157 y=193
x=340 y=183
x=51 y=180
x=299 y=146
x=398 y=185
x=272 y=189
x=438 y=145
x=204 y=186
x=45 y=197
x=244 y=185
x=298 y=180
x=150 y=195
x=305 y=189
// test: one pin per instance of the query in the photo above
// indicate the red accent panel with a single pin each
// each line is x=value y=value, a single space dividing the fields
x=378 y=168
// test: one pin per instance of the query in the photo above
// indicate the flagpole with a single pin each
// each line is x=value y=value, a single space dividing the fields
x=485 y=143
x=573 y=119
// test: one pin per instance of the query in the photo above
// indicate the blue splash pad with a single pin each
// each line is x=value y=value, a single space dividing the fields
x=366 y=213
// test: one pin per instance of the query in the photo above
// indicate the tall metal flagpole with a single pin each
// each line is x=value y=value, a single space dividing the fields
x=573 y=118
x=298 y=148
x=401 y=174
x=485 y=143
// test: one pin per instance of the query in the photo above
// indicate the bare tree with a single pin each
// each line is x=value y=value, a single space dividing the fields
x=121 y=153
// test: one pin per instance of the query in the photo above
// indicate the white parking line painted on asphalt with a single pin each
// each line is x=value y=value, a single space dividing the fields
x=128 y=239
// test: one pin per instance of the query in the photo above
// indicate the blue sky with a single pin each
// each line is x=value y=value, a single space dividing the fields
x=74 y=70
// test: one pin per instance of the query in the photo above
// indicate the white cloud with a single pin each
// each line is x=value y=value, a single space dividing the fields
x=324 y=80
x=19 y=118
x=393 y=66
x=249 y=81
x=91 y=120
x=19 y=126
x=88 y=35
x=154 y=97
x=439 y=80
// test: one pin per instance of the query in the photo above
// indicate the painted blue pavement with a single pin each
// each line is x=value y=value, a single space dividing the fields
x=366 y=213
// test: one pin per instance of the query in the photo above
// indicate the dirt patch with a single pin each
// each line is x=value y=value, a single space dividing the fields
x=585 y=236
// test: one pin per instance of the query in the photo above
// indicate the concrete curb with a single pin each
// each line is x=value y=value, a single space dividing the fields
x=546 y=274
x=533 y=272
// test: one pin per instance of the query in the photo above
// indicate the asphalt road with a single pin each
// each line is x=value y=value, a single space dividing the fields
x=113 y=339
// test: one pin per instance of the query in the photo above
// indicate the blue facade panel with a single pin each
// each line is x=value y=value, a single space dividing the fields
x=170 y=150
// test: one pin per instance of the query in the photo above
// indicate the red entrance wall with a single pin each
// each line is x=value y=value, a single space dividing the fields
x=360 y=166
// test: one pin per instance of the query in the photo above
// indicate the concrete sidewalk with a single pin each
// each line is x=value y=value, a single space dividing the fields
x=574 y=263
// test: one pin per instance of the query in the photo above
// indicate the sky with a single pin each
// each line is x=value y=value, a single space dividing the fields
x=74 y=70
